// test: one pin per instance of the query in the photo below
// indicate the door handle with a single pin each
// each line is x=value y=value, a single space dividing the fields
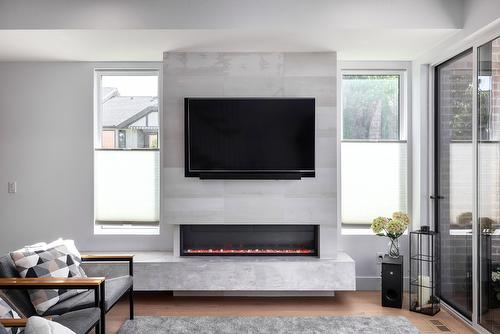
x=437 y=197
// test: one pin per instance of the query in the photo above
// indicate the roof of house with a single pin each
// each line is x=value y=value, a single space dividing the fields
x=122 y=111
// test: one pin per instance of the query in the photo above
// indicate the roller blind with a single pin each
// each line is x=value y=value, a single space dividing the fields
x=374 y=180
x=127 y=186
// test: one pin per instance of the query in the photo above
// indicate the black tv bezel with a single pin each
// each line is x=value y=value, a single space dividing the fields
x=243 y=175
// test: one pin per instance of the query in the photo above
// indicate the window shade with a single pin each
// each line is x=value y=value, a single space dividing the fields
x=127 y=186
x=374 y=180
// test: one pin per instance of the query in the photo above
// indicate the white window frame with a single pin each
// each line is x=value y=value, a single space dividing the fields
x=126 y=228
x=403 y=69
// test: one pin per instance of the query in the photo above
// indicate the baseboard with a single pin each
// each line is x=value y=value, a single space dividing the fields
x=254 y=293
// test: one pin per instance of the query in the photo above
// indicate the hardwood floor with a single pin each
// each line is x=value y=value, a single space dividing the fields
x=344 y=303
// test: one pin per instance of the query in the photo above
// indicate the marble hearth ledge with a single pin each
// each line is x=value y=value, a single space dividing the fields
x=162 y=271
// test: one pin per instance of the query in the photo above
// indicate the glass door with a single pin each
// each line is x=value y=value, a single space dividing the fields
x=454 y=179
x=488 y=167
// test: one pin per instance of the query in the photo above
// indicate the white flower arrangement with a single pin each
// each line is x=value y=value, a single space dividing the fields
x=393 y=227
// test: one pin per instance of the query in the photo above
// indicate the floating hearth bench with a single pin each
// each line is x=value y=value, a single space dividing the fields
x=162 y=271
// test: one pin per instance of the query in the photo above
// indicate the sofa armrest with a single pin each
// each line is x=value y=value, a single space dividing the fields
x=17 y=323
x=111 y=258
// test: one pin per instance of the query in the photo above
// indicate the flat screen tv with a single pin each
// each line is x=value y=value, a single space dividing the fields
x=249 y=138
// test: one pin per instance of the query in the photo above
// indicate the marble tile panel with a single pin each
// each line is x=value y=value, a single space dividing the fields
x=257 y=209
x=326 y=152
x=323 y=185
x=309 y=210
x=252 y=188
x=173 y=152
x=323 y=89
x=211 y=64
x=253 y=86
x=176 y=88
x=317 y=64
x=253 y=64
x=194 y=210
x=326 y=122
x=178 y=186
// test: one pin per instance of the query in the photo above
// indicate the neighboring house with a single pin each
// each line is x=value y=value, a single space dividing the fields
x=129 y=121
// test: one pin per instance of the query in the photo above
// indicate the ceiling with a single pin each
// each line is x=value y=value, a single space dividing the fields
x=149 y=45
x=141 y=30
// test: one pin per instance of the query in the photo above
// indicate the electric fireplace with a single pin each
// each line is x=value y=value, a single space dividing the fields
x=249 y=240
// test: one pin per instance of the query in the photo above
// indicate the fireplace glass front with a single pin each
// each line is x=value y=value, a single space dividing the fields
x=270 y=240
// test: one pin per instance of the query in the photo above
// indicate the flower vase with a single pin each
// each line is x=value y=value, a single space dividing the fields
x=394 y=248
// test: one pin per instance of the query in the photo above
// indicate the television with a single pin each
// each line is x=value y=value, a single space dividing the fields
x=249 y=138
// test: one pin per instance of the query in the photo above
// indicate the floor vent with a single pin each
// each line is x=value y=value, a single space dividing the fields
x=443 y=328
x=439 y=325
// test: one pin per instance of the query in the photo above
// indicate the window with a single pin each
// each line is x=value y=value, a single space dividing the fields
x=126 y=154
x=373 y=147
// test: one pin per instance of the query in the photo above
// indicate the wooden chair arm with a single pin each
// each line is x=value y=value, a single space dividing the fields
x=16 y=323
x=88 y=283
x=107 y=257
x=51 y=283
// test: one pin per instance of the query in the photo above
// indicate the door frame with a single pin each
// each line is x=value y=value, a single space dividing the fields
x=435 y=197
x=492 y=32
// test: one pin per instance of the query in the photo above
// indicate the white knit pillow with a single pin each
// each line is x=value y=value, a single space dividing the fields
x=37 y=325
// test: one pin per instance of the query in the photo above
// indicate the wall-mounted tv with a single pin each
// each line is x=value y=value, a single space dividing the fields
x=249 y=138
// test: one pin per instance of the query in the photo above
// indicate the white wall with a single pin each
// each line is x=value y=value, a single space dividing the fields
x=46 y=145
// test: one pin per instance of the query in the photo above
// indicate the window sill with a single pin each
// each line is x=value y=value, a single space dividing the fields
x=126 y=230
x=356 y=231
x=361 y=231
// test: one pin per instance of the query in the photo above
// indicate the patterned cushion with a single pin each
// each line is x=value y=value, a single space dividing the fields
x=7 y=312
x=57 y=259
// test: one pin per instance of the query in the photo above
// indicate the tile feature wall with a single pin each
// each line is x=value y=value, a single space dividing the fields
x=310 y=200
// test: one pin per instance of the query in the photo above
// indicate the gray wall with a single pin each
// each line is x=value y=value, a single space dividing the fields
x=46 y=145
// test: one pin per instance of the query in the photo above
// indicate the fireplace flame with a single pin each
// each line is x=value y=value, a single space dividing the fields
x=250 y=251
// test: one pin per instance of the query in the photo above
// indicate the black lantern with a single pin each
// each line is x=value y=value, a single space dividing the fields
x=423 y=272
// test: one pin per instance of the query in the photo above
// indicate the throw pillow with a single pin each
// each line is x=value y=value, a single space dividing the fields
x=37 y=325
x=57 y=259
x=7 y=312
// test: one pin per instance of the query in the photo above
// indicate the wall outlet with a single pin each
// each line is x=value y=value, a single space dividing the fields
x=380 y=257
x=12 y=187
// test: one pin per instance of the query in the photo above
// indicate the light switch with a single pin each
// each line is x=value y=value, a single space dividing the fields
x=12 y=187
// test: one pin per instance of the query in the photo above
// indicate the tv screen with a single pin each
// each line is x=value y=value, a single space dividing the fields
x=249 y=135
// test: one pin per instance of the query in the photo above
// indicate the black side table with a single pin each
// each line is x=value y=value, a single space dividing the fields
x=392 y=282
